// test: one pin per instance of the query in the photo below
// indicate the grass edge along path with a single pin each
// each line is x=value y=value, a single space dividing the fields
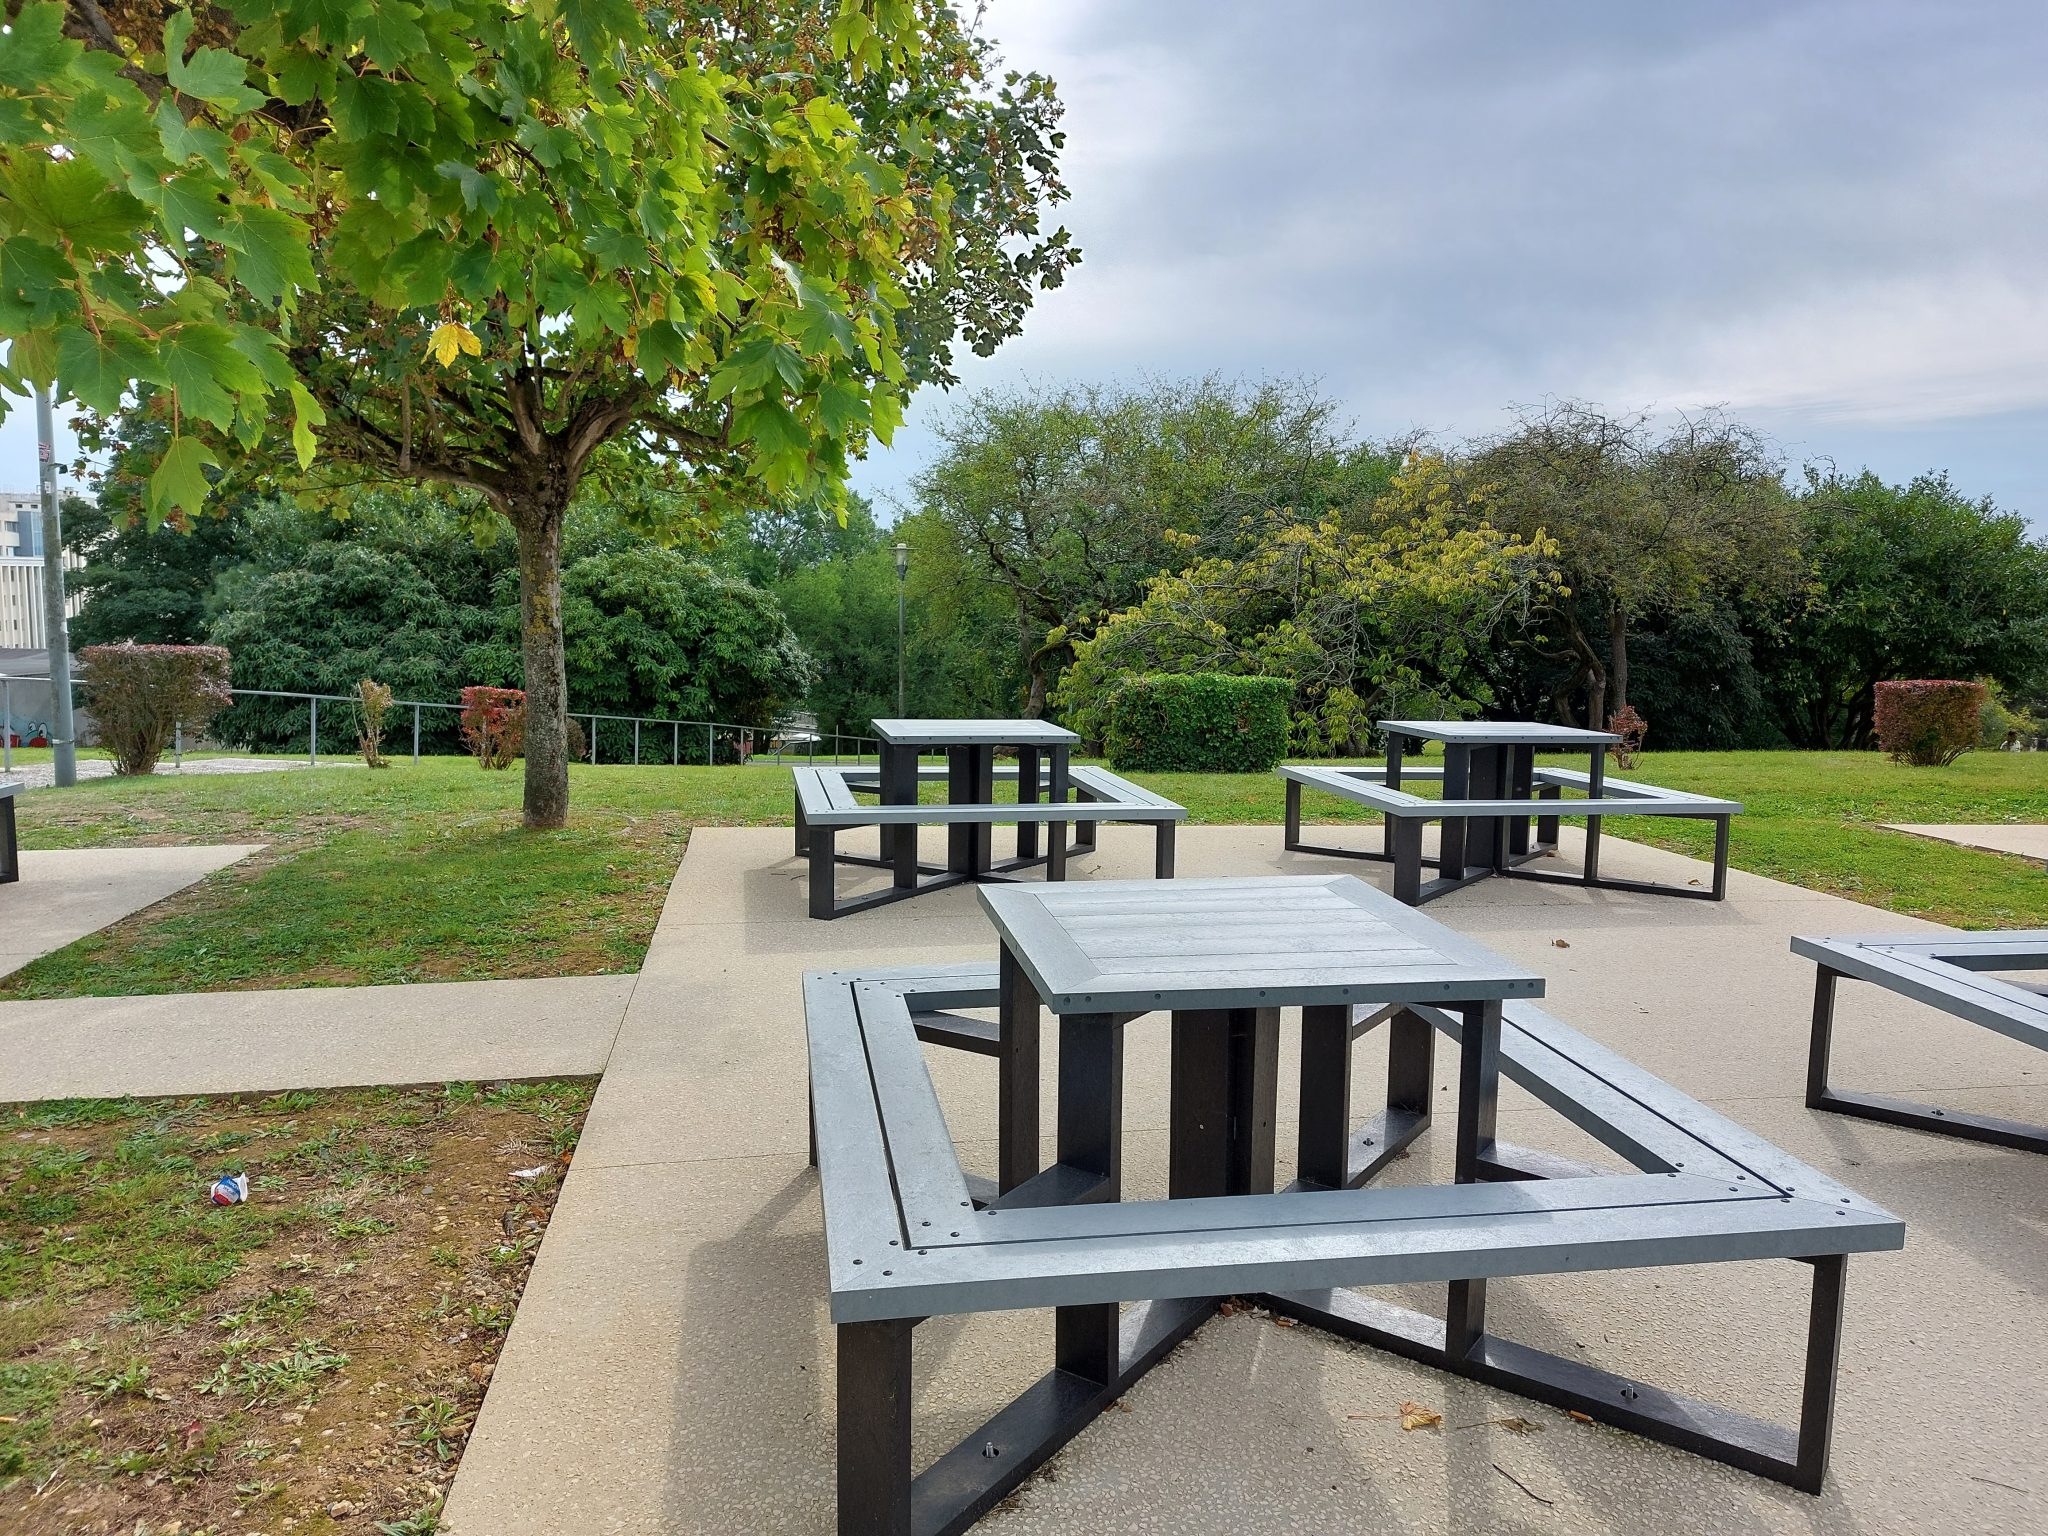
x=423 y=873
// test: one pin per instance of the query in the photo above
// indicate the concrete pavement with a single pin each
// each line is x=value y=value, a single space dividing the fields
x=2027 y=839
x=671 y=1366
x=309 y=1037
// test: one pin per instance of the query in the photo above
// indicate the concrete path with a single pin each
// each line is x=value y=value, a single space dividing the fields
x=2029 y=840
x=671 y=1367
x=309 y=1037
x=44 y=775
x=65 y=894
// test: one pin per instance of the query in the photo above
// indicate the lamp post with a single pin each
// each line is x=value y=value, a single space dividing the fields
x=63 y=743
x=902 y=574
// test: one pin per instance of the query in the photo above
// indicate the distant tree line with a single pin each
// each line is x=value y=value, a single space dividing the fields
x=1063 y=539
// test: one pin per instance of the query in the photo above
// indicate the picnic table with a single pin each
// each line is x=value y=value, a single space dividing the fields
x=970 y=747
x=910 y=1238
x=1492 y=795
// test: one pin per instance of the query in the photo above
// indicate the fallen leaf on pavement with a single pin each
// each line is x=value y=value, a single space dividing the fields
x=1415 y=1416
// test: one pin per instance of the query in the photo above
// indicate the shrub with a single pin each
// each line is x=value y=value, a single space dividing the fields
x=1631 y=728
x=1201 y=722
x=373 y=703
x=141 y=694
x=1928 y=722
x=494 y=725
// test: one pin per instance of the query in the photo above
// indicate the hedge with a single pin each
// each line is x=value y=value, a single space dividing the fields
x=1930 y=722
x=1204 y=722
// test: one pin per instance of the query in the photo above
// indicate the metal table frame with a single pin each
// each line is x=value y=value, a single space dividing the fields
x=905 y=1241
x=10 y=842
x=1945 y=972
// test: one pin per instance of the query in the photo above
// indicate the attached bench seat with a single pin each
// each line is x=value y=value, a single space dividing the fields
x=1490 y=836
x=1945 y=971
x=905 y=1241
x=10 y=845
x=827 y=801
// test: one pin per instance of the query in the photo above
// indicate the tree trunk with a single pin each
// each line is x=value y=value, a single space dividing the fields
x=538 y=519
x=1593 y=671
x=1617 y=663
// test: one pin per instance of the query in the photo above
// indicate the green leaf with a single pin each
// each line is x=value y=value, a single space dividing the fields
x=300 y=75
x=195 y=140
x=211 y=74
x=769 y=425
x=662 y=346
x=98 y=369
x=203 y=364
x=479 y=188
x=843 y=407
x=391 y=34
x=306 y=415
x=34 y=284
x=69 y=201
x=34 y=49
x=180 y=479
x=271 y=252
x=111 y=130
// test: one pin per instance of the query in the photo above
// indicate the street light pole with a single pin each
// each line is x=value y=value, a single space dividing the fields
x=64 y=748
x=902 y=574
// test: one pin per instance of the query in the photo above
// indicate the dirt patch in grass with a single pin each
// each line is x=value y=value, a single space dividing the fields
x=310 y=1361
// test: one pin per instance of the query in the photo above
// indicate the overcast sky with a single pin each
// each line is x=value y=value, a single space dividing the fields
x=1830 y=217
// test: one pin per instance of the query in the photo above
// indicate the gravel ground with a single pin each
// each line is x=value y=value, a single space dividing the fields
x=43 y=775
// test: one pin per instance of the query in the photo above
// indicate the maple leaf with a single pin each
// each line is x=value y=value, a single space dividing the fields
x=450 y=340
x=1415 y=1416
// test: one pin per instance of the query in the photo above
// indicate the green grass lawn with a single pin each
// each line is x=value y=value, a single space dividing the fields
x=424 y=872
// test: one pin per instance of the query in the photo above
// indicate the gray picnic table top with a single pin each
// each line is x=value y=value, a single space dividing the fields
x=974 y=733
x=1498 y=733
x=1134 y=946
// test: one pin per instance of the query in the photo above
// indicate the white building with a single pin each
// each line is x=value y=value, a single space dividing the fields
x=21 y=572
x=21 y=526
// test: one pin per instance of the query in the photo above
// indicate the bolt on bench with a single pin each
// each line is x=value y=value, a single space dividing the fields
x=1491 y=790
x=1945 y=971
x=905 y=1240
x=827 y=801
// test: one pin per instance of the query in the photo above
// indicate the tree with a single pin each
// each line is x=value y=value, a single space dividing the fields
x=1391 y=617
x=1070 y=499
x=1904 y=581
x=652 y=632
x=347 y=610
x=1647 y=526
x=475 y=242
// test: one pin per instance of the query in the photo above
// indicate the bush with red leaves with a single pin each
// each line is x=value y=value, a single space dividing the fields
x=1929 y=722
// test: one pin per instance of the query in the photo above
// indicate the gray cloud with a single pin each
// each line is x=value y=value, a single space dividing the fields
x=1829 y=217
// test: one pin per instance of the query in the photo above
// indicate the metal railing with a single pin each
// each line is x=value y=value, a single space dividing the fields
x=776 y=743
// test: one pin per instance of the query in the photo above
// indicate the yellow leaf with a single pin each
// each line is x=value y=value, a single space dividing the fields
x=1415 y=1416
x=452 y=338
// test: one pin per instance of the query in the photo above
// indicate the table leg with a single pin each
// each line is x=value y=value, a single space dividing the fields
x=1395 y=745
x=1596 y=786
x=1056 y=832
x=1027 y=794
x=959 y=787
x=1521 y=786
x=898 y=784
x=1087 y=1339
x=1478 y=1104
x=1323 y=1142
x=984 y=773
x=1450 y=855
x=1225 y=1078
x=1488 y=781
x=874 y=1428
x=1016 y=1075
